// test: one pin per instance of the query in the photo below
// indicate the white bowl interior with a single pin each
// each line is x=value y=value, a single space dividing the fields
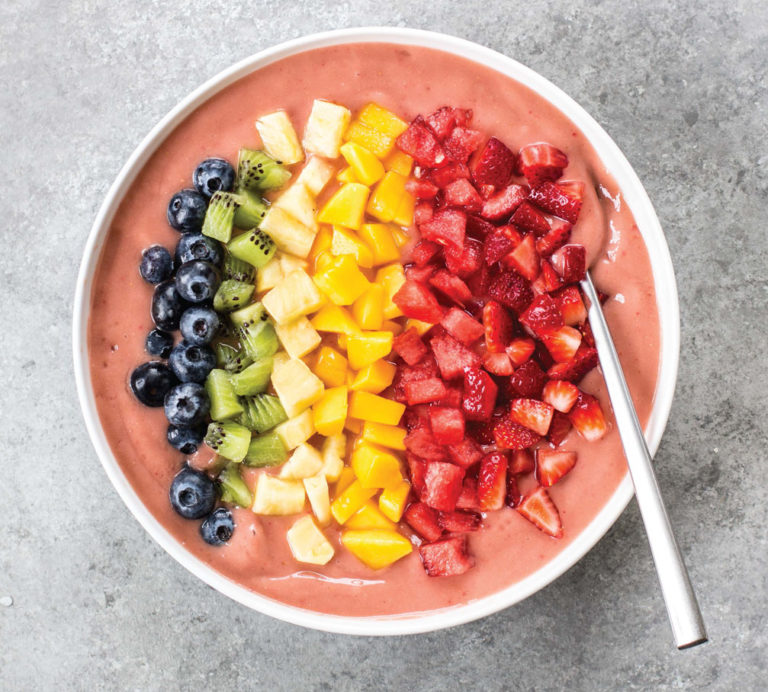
x=664 y=280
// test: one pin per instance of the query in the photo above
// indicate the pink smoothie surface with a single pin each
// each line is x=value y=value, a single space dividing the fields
x=409 y=81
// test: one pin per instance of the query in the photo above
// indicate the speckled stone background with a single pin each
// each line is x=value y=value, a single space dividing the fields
x=88 y=601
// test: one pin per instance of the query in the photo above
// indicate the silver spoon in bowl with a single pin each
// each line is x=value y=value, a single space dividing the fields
x=682 y=607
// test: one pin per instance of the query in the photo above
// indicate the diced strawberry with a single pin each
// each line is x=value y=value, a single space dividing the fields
x=540 y=162
x=542 y=315
x=479 y=394
x=510 y=435
x=543 y=357
x=421 y=189
x=446 y=227
x=560 y=394
x=492 y=481
x=524 y=259
x=529 y=219
x=461 y=143
x=452 y=398
x=562 y=343
x=420 y=142
x=557 y=236
x=520 y=350
x=521 y=462
x=550 y=278
x=461 y=193
x=570 y=261
x=528 y=380
x=494 y=165
x=447 y=424
x=418 y=302
x=423 y=520
x=479 y=282
x=500 y=243
x=447 y=557
x=559 y=428
x=468 y=498
x=466 y=453
x=533 y=414
x=461 y=326
x=409 y=346
x=421 y=274
x=459 y=522
x=552 y=465
x=498 y=364
x=511 y=290
x=446 y=118
x=442 y=485
x=483 y=431
x=588 y=419
x=451 y=286
x=421 y=443
x=486 y=191
x=587 y=336
x=423 y=212
x=584 y=361
x=502 y=204
x=424 y=251
x=513 y=494
x=478 y=227
x=538 y=508
x=442 y=177
x=559 y=200
x=452 y=357
x=424 y=391
x=466 y=262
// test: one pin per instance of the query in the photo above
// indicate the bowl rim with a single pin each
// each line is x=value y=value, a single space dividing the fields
x=664 y=281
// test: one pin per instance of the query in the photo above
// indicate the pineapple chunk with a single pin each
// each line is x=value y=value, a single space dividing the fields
x=326 y=124
x=392 y=501
x=331 y=367
x=269 y=276
x=342 y=281
x=375 y=378
x=279 y=137
x=300 y=203
x=347 y=206
x=289 y=263
x=294 y=296
x=335 y=319
x=346 y=242
x=380 y=238
x=374 y=408
x=369 y=516
x=319 y=497
x=330 y=411
x=367 y=348
x=303 y=463
x=274 y=496
x=377 y=548
x=308 y=544
x=298 y=337
x=375 y=468
x=334 y=450
x=368 y=309
x=289 y=234
x=297 y=430
x=367 y=168
x=316 y=174
x=296 y=385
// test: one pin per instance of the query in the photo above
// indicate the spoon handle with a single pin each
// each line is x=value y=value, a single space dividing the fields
x=684 y=614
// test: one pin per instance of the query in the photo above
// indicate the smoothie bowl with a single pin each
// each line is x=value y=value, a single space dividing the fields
x=383 y=412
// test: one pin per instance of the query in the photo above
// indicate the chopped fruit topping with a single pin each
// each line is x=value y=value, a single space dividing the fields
x=279 y=138
x=424 y=251
x=443 y=177
x=452 y=357
x=558 y=199
x=366 y=167
x=502 y=204
x=498 y=364
x=308 y=544
x=529 y=219
x=369 y=516
x=377 y=548
x=524 y=259
x=419 y=142
x=528 y=380
x=494 y=164
x=330 y=411
x=542 y=315
x=461 y=143
x=442 y=485
x=451 y=286
x=462 y=327
x=571 y=306
x=374 y=467
x=447 y=227
x=498 y=327
x=375 y=378
x=447 y=425
x=346 y=207
x=459 y=522
x=511 y=435
x=424 y=521
x=552 y=465
x=583 y=361
x=492 y=481
x=447 y=557
x=461 y=193
x=511 y=290
x=417 y=301
x=385 y=435
x=425 y=391
x=521 y=461
x=561 y=395
x=466 y=453
x=366 y=348
x=534 y=415
x=325 y=128
x=445 y=119
x=541 y=162
x=570 y=261
x=421 y=442
x=587 y=417
x=562 y=343
x=557 y=236
x=409 y=346
x=479 y=396
x=392 y=501
x=342 y=281
x=499 y=243
x=559 y=428
x=374 y=408
x=538 y=508
x=520 y=350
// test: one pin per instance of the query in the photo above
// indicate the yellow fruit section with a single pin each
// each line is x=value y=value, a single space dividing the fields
x=375 y=378
x=388 y=197
x=346 y=242
x=377 y=548
x=366 y=348
x=385 y=435
x=368 y=309
x=331 y=367
x=392 y=501
x=375 y=467
x=346 y=207
x=351 y=500
x=369 y=516
x=330 y=412
x=380 y=239
x=366 y=167
x=342 y=281
x=375 y=408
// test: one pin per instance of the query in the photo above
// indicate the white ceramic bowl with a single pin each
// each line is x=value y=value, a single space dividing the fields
x=664 y=280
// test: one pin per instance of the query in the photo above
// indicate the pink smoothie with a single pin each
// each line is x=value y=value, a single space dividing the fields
x=409 y=81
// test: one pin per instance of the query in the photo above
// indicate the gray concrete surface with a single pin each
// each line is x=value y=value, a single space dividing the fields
x=88 y=601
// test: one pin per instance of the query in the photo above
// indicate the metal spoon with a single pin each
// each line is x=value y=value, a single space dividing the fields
x=682 y=607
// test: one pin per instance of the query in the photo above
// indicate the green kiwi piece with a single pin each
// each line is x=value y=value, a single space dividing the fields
x=224 y=402
x=259 y=340
x=228 y=439
x=233 y=487
x=236 y=270
x=254 y=247
x=231 y=359
x=254 y=379
x=265 y=450
x=249 y=315
x=232 y=295
x=251 y=209
x=262 y=412
x=256 y=171
x=220 y=216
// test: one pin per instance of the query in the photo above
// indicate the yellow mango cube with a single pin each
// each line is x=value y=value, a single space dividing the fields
x=346 y=242
x=352 y=499
x=379 y=118
x=335 y=319
x=391 y=277
x=401 y=237
x=421 y=327
x=399 y=162
x=354 y=426
x=378 y=237
x=330 y=366
x=375 y=468
x=330 y=411
x=367 y=168
x=342 y=281
x=367 y=348
x=347 y=175
x=322 y=261
x=346 y=478
x=377 y=548
x=374 y=378
x=404 y=214
x=341 y=340
x=374 y=408
x=385 y=435
x=368 y=309
x=346 y=207
x=392 y=501
x=375 y=141
x=392 y=326
x=307 y=542
x=322 y=244
x=387 y=197
x=369 y=516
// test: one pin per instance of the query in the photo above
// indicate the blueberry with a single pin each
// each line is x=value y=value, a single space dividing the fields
x=186 y=211
x=167 y=306
x=199 y=325
x=186 y=440
x=190 y=362
x=159 y=343
x=213 y=175
x=151 y=381
x=156 y=264
x=218 y=527
x=187 y=405
x=192 y=494
x=197 y=281
x=196 y=246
